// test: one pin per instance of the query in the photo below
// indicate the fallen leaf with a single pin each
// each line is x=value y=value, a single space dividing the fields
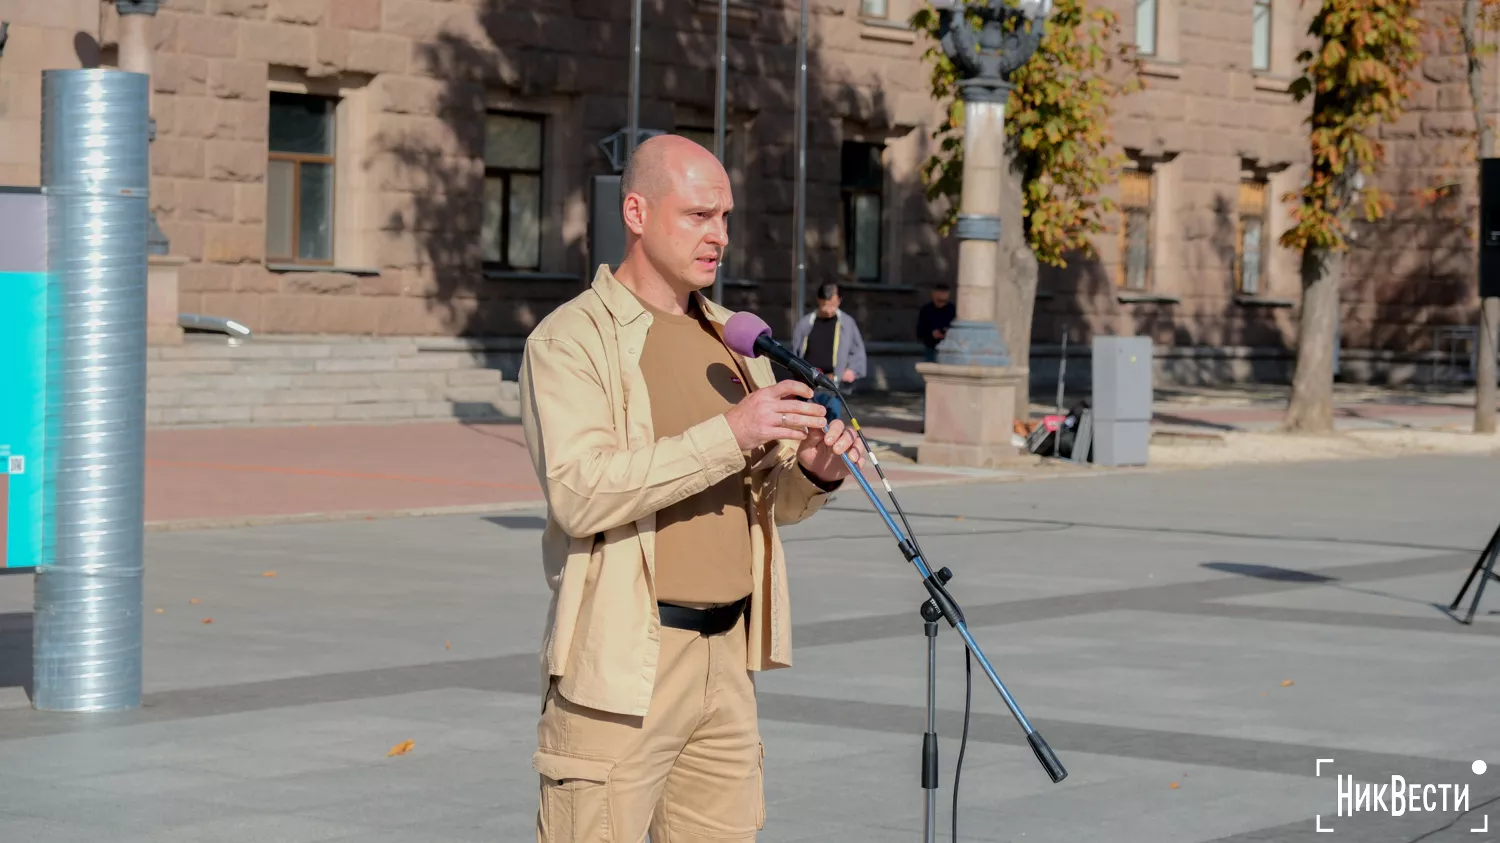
x=958 y=518
x=1264 y=694
x=1288 y=683
x=447 y=645
x=1173 y=785
x=269 y=574
x=208 y=620
x=161 y=611
x=195 y=601
x=400 y=749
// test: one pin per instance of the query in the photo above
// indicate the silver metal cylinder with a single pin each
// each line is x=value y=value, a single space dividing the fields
x=96 y=174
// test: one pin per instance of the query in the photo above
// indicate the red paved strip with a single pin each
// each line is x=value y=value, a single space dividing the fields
x=235 y=473
x=226 y=473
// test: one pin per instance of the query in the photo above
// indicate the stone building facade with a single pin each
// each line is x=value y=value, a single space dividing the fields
x=414 y=167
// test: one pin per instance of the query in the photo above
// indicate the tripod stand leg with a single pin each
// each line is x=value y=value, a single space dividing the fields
x=1485 y=563
x=1489 y=571
x=929 y=738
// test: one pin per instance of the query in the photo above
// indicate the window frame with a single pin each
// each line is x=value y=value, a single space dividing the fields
x=848 y=256
x=1270 y=19
x=505 y=173
x=885 y=15
x=1261 y=213
x=1122 y=271
x=297 y=159
x=1155 y=31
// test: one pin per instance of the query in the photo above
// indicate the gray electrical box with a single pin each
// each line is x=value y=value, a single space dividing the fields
x=606 y=224
x=1122 y=400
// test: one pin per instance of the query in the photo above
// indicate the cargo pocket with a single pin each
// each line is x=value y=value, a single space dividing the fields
x=575 y=798
x=760 y=785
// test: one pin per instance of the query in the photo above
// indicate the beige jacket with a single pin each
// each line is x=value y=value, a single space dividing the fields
x=587 y=420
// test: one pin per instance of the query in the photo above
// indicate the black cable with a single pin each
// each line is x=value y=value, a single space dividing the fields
x=962 y=744
x=853 y=425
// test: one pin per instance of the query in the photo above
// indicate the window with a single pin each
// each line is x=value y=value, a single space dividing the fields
x=512 y=233
x=874 y=8
x=299 y=179
x=863 y=180
x=1135 y=230
x=1250 y=238
x=1260 y=35
x=1145 y=27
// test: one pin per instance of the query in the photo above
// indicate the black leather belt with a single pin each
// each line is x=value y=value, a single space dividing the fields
x=715 y=621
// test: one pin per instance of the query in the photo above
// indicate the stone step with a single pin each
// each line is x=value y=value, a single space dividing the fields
x=286 y=381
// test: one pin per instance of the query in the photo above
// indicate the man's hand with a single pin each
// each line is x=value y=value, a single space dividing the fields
x=820 y=453
x=849 y=376
x=774 y=412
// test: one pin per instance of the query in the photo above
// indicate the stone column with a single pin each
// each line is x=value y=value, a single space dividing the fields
x=135 y=56
x=972 y=388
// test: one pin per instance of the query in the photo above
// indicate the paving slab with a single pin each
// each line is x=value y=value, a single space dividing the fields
x=1145 y=623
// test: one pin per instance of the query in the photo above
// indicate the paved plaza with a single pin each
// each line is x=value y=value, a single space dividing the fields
x=1190 y=643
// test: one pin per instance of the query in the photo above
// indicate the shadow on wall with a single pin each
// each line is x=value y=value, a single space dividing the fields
x=1407 y=277
x=529 y=52
x=1414 y=271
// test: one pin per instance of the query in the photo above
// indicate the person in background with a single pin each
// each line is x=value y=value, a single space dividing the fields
x=933 y=320
x=829 y=339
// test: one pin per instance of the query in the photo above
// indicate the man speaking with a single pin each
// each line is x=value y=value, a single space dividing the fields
x=668 y=463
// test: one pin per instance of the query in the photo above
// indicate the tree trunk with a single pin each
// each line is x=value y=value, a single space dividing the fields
x=1311 y=407
x=1016 y=274
x=1489 y=309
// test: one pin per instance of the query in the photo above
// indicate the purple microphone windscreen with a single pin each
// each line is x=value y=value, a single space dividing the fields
x=741 y=332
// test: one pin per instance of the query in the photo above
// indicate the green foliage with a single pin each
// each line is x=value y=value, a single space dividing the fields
x=1358 y=77
x=1056 y=126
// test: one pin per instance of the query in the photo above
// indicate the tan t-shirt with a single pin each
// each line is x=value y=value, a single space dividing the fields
x=702 y=543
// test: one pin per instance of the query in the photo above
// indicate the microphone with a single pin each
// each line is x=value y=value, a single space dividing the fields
x=749 y=336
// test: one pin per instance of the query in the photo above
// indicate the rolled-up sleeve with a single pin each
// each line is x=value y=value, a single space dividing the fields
x=797 y=496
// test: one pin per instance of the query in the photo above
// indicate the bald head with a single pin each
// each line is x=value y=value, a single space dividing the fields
x=657 y=165
x=676 y=206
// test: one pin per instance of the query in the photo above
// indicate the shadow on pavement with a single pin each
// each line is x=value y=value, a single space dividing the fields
x=15 y=650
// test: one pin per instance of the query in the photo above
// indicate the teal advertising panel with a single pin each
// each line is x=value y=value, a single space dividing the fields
x=23 y=377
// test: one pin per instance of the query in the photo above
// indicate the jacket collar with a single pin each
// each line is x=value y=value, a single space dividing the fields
x=626 y=308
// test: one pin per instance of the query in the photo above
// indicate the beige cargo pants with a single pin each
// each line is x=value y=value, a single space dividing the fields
x=689 y=771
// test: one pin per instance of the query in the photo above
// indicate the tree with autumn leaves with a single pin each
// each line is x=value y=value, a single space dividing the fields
x=1057 y=144
x=1358 y=76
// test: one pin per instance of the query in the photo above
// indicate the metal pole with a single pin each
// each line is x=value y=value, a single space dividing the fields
x=799 y=235
x=95 y=172
x=720 y=119
x=635 y=78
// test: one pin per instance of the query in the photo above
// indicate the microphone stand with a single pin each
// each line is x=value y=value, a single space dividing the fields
x=940 y=605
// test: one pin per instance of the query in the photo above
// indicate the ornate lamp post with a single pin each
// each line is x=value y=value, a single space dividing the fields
x=971 y=388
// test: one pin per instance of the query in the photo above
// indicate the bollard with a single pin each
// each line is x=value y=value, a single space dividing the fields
x=95 y=173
